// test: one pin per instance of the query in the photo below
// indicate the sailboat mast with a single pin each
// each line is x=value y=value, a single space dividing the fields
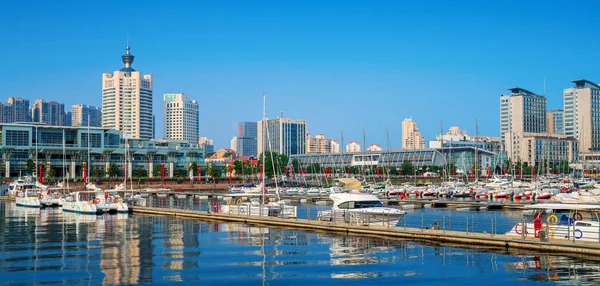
x=64 y=158
x=264 y=118
x=88 y=150
x=37 y=166
x=476 y=149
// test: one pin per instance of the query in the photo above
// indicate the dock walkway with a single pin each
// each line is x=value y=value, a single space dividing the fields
x=467 y=239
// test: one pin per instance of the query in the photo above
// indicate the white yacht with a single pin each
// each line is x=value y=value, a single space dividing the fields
x=28 y=197
x=237 y=204
x=17 y=185
x=110 y=201
x=77 y=202
x=53 y=197
x=360 y=208
x=561 y=221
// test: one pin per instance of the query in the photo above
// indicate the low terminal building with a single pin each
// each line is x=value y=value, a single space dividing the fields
x=64 y=150
x=463 y=158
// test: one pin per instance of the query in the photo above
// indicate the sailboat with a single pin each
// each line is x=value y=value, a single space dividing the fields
x=263 y=206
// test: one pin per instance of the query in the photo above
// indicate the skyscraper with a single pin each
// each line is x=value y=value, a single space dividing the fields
x=48 y=112
x=582 y=110
x=411 y=136
x=282 y=135
x=181 y=118
x=6 y=110
x=556 y=124
x=68 y=119
x=522 y=113
x=20 y=109
x=127 y=100
x=247 y=139
x=82 y=112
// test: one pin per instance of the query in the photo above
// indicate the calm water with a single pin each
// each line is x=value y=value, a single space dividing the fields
x=51 y=247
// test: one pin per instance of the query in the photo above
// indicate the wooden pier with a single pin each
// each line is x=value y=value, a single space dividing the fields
x=466 y=239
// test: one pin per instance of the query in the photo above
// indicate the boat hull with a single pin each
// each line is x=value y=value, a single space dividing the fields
x=28 y=202
x=80 y=207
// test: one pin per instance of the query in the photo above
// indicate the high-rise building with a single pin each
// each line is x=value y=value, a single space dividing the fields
x=82 y=112
x=247 y=139
x=127 y=100
x=6 y=115
x=282 y=135
x=68 y=119
x=320 y=144
x=206 y=144
x=48 y=112
x=181 y=118
x=556 y=124
x=522 y=111
x=335 y=146
x=353 y=146
x=411 y=136
x=233 y=144
x=20 y=109
x=582 y=110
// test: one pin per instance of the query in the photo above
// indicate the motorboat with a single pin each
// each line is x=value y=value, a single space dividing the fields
x=28 y=197
x=19 y=184
x=355 y=207
x=110 y=201
x=77 y=202
x=559 y=221
x=53 y=197
x=249 y=204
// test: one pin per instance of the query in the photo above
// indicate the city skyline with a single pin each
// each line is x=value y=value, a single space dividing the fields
x=374 y=65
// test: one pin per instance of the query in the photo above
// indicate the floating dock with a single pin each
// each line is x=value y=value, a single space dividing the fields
x=463 y=238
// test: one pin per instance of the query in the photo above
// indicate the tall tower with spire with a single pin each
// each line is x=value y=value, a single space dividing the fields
x=127 y=100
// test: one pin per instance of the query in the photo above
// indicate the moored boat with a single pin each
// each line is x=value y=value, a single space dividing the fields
x=360 y=208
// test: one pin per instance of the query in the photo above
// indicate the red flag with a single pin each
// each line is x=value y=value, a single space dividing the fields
x=348 y=171
x=519 y=173
x=472 y=172
x=557 y=171
x=230 y=172
x=328 y=172
x=41 y=175
x=198 y=167
x=505 y=171
x=85 y=172
x=489 y=172
x=533 y=172
x=261 y=172
x=378 y=171
x=162 y=172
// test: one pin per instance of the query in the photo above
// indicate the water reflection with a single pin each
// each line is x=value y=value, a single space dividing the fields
x=49 y=246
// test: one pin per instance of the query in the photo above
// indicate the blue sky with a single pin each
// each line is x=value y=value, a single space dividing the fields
x=342 y=65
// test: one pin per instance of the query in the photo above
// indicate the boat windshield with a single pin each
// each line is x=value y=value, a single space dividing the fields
x=360 y=205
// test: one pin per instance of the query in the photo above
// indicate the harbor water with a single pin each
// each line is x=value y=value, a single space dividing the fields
x=50 y=247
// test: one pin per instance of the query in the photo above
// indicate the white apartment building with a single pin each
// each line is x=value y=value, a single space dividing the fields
x=374 y=148
x=582 y=117
x=353 y=146
x=181 y=118
x=411 y=136
x=127 y=101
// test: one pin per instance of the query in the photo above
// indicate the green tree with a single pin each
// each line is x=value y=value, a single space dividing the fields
x=30 y=167
x=274 y=163
x=238 y=167
x=139 y=173
x=193 y=167
x=157 y=170
x=113 y=170
x=50 y=171
x=178 y=173
x=407 y=168
x=215 y=172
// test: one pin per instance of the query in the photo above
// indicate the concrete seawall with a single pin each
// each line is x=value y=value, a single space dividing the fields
x=437 y=236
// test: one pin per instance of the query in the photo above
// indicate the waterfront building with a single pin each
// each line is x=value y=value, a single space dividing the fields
x=6 y=109
x=48 y=112
x=320 y=144
x=522 y=111
x=556 y=122
x=181 y=118
x=543 y=150
x=282 y=135
x=206 y=144
x=233 y=143
x=82 y=112
x=127 y=100
x=456 y=137
x=411 y=136
x=353 y=146
x=20 y=109
x=581 y=117
x=374 y=148
x=106 y=147
x=247 y=142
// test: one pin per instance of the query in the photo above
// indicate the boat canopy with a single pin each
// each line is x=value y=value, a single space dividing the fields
x=350 y=183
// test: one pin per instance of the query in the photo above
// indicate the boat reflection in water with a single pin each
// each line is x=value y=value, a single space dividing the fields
x=547 y=268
